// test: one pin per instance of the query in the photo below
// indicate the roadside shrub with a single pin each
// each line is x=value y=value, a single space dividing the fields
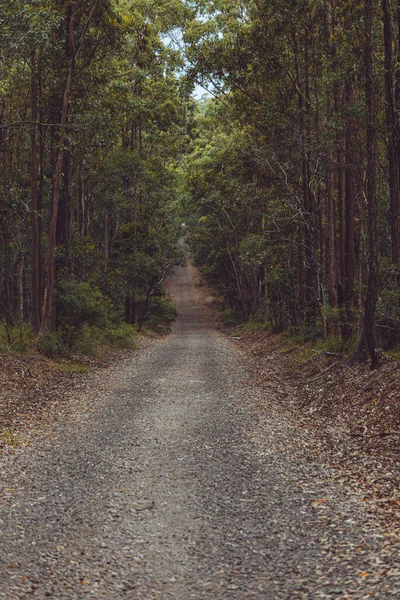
x=21 y=338
x=255 y=324
x=231 y=318
x=161 y=313
x=122 y=336
x=79 y=305
x=89 y=340
x=388 y=305
x=52 y=344
x=333 y=343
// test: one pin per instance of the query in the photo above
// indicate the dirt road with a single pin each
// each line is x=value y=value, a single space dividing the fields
x=179 y=483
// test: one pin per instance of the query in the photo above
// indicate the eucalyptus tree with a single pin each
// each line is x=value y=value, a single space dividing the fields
x=92 y=118
x=293 y=74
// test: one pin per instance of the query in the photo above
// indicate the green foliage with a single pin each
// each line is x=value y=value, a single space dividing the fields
x=257 y=323
x=17 y=339
x=389 y=296
x=117 y=236
x=68 y=367
x=231 y=317
x=252 y=251
x=122 y=336
x=161 y=313
x=79 y=304
x=329 y=312
x=395 y=353
x=9 y=439
x=52 y=344
x=334 y=344
x=82 y=310
x=89 y=339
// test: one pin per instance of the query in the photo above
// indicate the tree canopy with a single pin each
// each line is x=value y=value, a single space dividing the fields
x=288 y=174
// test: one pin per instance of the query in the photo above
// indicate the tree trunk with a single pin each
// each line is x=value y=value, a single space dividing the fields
x=350 y=256
x=63 y=217
x=330 y=258
x=309 y=204
x=36 y=299
x=367 y=341
x=48 y=301
x=20 y=284
x=392 y=130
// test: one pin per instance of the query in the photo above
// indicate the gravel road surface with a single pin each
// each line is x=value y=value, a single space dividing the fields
x=176 y=482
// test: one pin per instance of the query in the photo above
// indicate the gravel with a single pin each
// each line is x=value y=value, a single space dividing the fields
x=172 y=479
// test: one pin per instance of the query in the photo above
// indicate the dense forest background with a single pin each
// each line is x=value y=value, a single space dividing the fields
x=287 y=174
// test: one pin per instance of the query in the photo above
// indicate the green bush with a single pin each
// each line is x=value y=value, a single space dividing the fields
x=52 y=344
x=92 y=338
x=122 y=336
x=388 y=305
x=89 y=340
x=161 y=313
x=255 y=324
x=79 y=305
x=21 y=338
x=231 y=318
x=333 y=343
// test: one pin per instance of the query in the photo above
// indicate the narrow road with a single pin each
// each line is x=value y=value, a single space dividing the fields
x=185 y=486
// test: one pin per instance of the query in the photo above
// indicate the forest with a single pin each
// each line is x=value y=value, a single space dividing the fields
x=286 y=173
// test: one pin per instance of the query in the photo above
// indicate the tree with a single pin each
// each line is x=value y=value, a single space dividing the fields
x=367 y=340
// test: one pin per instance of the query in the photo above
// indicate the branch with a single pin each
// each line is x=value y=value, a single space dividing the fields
x=17 y=123
x=83 y=34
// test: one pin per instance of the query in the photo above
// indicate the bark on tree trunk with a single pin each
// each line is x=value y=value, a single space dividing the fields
x=367 y=340
x=20 y=285
x=331 y=265
x=48 y=301
x=63 y=217
x=36 y=301
x=350 y=257
x=392 y=130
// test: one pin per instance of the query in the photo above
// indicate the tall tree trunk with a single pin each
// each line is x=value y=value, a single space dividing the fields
x=350 y=255
x=342 y=219
x=20 y=284
x=367 y=341
x=331 y=105
x=392 y=131
x=36 y=299
x=330 y=258
x=63 y=217
x=48 y=301
x=395 y=208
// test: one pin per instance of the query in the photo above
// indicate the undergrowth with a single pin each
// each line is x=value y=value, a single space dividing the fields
x=71 y=367
x=85 y=331
x=90 y=340
x=9 y=438
x=394 y=353
x=231 y=318
x=161 y=313
x=15 y=340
